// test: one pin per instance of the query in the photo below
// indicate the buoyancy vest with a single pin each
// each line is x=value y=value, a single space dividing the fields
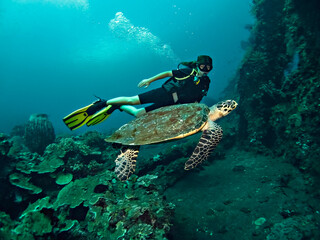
x=187 y=85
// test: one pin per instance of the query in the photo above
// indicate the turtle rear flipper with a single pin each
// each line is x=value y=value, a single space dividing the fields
x=209 y=140
x=126 y=162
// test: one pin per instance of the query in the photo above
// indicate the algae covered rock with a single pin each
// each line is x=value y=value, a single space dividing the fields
x=295 y=228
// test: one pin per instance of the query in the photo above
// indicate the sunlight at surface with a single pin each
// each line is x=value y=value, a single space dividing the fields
x=84 y=4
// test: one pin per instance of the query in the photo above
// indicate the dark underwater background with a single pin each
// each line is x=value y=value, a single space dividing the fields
x=261 y=182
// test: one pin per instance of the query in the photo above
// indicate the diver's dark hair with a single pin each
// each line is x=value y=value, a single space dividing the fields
x=192 y=64
x=202 y=59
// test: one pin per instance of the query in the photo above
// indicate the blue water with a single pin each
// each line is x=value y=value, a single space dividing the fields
x=56 y=55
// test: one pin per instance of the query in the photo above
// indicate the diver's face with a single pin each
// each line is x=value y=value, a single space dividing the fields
x=205 y=68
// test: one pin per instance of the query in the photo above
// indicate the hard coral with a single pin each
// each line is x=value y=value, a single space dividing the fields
x=90 y=207
x=82 y=191
x=22 y=181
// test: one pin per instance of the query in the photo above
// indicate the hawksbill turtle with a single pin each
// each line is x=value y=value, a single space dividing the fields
x=166 y=124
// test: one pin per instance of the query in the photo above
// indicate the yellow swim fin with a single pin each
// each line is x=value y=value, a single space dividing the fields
x=102 y=115
x=81 y=116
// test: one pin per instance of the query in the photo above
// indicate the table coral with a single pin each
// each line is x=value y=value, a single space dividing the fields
x=22 y=181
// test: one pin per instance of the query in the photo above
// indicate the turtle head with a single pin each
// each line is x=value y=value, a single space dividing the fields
x=222 y=109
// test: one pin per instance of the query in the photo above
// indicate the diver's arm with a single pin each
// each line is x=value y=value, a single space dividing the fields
x=146 y=82
x=160 y=76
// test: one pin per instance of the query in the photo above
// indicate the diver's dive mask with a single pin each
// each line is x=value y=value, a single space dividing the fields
x=204 y=67
x=204 y=63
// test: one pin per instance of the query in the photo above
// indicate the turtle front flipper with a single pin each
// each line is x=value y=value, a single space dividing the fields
x=209 y=140
x=126 y=162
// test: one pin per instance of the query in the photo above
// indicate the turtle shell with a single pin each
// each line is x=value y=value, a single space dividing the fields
x=163 y=124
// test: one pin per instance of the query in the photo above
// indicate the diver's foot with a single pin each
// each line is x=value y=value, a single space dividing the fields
x=96 y=106
x=113 y=108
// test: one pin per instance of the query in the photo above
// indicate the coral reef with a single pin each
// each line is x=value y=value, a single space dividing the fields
x=73 y=193
x=96 y=207
x=278 y=83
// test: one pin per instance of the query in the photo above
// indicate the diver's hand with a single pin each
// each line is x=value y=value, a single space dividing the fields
x=144 y=83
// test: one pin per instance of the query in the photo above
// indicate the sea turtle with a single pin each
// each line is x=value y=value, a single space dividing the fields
x=169 y=123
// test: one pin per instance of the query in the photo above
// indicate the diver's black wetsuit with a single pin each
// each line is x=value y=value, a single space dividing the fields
x=188 y=87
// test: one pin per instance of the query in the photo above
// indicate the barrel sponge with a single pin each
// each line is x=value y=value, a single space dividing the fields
x=39 y=133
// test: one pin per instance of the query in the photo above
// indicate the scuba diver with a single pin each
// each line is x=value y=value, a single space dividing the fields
x=186 y=85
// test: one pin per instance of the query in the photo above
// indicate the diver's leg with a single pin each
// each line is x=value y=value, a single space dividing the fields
x=136 y=112
x=124 y=100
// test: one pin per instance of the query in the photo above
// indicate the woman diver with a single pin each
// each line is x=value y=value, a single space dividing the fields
x=186 y=85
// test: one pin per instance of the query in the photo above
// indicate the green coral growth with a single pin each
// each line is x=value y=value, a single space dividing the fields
x=22 y=181
x=81 y=191
x=64 y=178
